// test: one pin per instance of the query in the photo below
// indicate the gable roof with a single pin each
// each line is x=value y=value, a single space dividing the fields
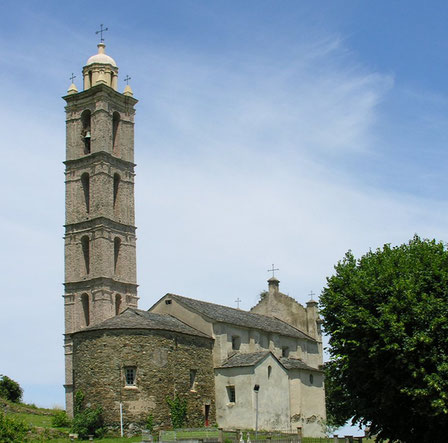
x=133 y=318
x=225 y=314
x=295 y=363
x=238 y=359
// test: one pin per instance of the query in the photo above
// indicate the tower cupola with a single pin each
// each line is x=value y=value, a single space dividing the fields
x=100 y=69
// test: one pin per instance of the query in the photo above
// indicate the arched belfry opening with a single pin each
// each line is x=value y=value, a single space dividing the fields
x=117 y=180
x=85 y=244
x=85 y=308
x=85 y=182
x=86 y=134
x=115 y=131
x=117 y=245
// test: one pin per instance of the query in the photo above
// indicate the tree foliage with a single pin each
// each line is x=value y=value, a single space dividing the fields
x=10 y=389
x=387 y=317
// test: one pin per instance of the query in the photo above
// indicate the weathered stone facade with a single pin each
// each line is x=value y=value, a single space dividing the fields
x=163 y=361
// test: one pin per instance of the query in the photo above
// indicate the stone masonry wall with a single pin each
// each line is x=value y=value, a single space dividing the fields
x=163 y=361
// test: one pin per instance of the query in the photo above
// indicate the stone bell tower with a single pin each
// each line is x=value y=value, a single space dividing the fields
x=100 y=254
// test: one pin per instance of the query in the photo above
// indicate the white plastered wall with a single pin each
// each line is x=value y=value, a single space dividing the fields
x=273 y=398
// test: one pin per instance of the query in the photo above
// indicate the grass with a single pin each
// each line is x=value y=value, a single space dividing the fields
x=43 y=421
x=40 y=419
x=102 y=440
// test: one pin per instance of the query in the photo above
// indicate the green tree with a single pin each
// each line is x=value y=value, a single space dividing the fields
x=387 y=317
x=10 y=389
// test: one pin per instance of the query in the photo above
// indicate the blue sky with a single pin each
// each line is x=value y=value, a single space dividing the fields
x=267 y=132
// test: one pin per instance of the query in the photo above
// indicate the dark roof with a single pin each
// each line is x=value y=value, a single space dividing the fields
x=239 y=359
x=294 y=363
x=239 y=317
x=251 y=359
x=133 y=318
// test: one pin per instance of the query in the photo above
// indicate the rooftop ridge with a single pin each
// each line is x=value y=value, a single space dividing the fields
x=145 y=320
x=226 y=314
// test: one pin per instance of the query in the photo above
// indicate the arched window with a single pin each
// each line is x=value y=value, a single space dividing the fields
x=85 y=308
x=117 y=244
x=90 y=79
x=115 y=127
x=269 y=371
x=85 y=243
x=85 y=181
x=117 y=180
x=86 y=130
x=117 y=303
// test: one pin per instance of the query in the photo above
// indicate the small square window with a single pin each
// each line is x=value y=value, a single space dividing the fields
x=130 y=376
x=231 y=394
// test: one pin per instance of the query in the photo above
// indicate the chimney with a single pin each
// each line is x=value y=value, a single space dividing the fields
x=273 y=285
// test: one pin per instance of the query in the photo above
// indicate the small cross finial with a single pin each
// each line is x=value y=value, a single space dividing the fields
x=101 y=32
x=311 y=295
x=72 y=77
x=127 y=79
x=273 y=270
x=238 y=301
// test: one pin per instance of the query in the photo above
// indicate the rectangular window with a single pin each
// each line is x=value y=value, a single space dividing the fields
x=193 y=379
x=130 y=375
x=285 y=351
x=231 y=394
x=236 y=343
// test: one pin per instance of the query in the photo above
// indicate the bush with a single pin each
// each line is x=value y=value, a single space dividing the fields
x=87 y=420
x=10 y=389
x=60 y=420
x=11 y=430
x=178 y=409
x=150 y=423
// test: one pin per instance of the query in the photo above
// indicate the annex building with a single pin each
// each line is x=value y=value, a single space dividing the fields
x=242 y=369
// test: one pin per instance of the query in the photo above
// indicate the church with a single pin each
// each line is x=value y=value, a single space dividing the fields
x=258 y=369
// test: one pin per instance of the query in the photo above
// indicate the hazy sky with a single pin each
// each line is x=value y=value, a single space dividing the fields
x=281 y=132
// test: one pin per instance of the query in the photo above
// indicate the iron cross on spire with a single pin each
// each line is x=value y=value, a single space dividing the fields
x=311 y=295
x=273 y=270
x=127 y=79
x=238 y=301
x=101 y=32
x=72 y=77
